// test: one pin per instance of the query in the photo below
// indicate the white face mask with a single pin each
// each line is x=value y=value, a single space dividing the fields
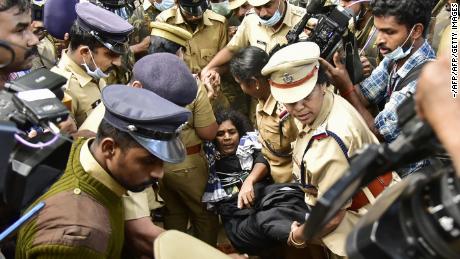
x=221 y=8
x=274 y=19
x=164 y=5
x=399 y=53
x=97 y=73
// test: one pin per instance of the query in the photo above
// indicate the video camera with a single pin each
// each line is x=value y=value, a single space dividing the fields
x=331 y=33
x=30 y=165
x=416 y=218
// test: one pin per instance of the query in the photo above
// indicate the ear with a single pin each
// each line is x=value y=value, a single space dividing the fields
x=418 y=31
x=136 y=84
x=108 y=147
x=256 y=81
x=83 y=50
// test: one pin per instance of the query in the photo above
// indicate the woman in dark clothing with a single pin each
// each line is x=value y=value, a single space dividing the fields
x=266 y=223
x=233 y=167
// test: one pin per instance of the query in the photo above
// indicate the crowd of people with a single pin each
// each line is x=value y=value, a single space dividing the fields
x=182 y=105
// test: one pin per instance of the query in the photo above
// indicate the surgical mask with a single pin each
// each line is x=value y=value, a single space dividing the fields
x=274 y=19
x=399 y=53
x=164 y=5
x=221 y=8
x=97 y=73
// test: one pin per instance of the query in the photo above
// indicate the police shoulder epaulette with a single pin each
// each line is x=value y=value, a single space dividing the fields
x=215 y=16
x=166 y=15
x=283 y=115
x=251 y=11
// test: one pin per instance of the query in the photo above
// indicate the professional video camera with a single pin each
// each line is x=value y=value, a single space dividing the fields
x=418 y=217
x=29 y=165
x=331 y=33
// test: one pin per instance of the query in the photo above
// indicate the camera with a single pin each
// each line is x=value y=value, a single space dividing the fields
x=29 y=166
x=331 y=34
x=416 y=218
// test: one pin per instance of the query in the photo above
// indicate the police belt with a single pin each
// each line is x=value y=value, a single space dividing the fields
x=193 y=149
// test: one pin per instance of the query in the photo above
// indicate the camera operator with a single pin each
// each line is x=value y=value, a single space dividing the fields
x=15 y=28
x=438 y=107
x=401 y=30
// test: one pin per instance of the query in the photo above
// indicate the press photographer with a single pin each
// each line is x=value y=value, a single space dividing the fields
x=27 y=165
x=15 y=19
x=401 y=31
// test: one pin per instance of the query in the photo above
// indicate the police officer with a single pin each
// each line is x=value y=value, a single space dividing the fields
x=155 y=73
x=208 y=28
x=184 y=183
x=264 y=28
x=169 y=38
x=97 y=39
x=83 y=216
x=277 y=130
x=330 y=131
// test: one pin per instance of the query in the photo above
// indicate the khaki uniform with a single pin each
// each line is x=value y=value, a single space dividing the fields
x=84 y=90
x=252 y=33
x=183 y=184
x=276 y=144
x=209 y=37
x=446 y=40
x=47 y=54
x=441 y=22
x=325 y=162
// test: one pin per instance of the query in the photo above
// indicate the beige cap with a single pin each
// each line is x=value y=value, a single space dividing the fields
x=170 y=32
x=173 y=244
x=293 y=71
x=233 y=4
x=258 y=2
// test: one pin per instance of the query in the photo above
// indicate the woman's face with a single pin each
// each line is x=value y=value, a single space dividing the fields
x=307 y=109
x=227 y=138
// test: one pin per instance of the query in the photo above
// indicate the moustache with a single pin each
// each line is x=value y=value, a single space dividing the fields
x=266 y=18
x=31 y=52
x=142 y=186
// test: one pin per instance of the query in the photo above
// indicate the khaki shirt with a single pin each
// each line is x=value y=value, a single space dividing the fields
x=252 y=33
x=325 y=162
x=276 y=148
x=47 y=54
x=140 y=204
x=92 y=167
x=84 y=90
x=209 y=37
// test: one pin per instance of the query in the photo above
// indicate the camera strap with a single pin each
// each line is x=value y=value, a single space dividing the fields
x=360 y=199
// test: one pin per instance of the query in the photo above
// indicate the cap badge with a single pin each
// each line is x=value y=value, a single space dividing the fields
x=132 y=128
x=287 y=78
